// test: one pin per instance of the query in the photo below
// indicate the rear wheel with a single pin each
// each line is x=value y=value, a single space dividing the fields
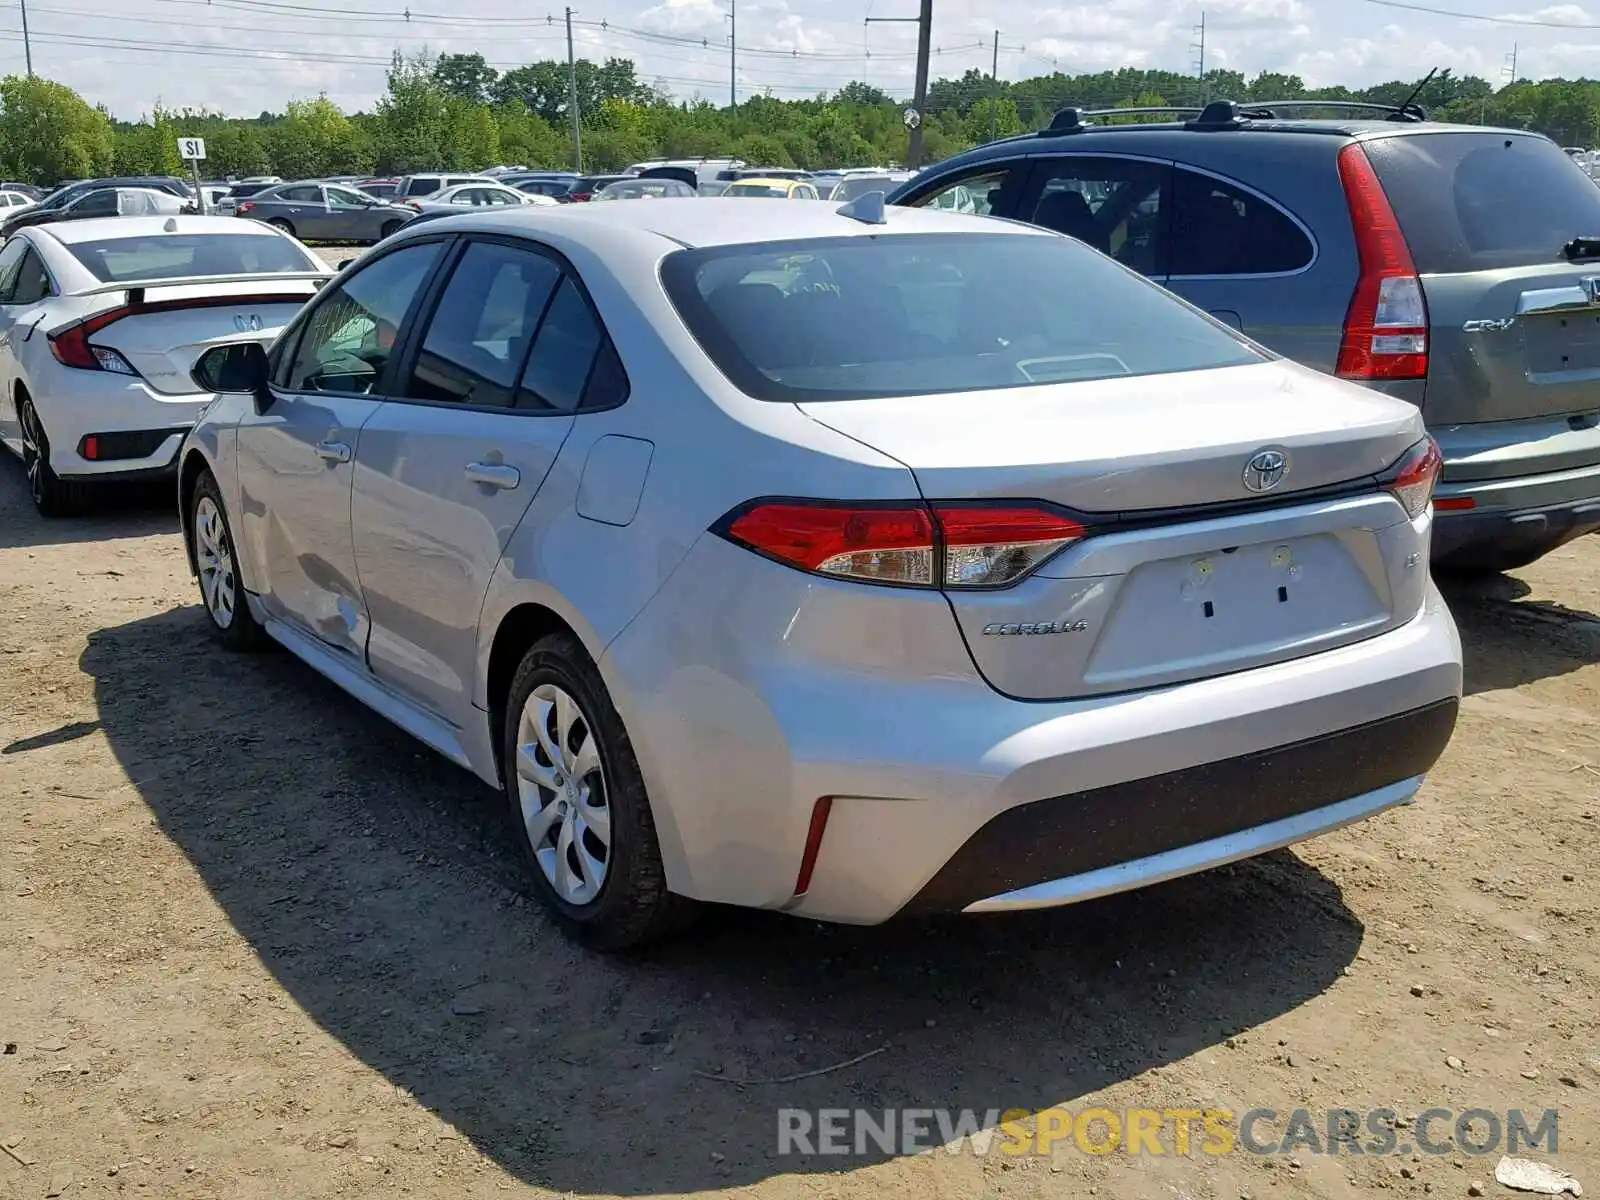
x=390 y=228
x=216 y=563
x=578 y=803
x=280 y=223
x=52 y=495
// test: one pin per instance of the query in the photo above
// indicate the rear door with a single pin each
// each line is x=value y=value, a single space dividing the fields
x=449 y=466
x=1514 y=328
x=1119 y=205
x=301 y=206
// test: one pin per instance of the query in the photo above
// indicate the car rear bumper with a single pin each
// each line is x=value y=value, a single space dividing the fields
x=101 y=404
x=751 y=692
x=1510 y=516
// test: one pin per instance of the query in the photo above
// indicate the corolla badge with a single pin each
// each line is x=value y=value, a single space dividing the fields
x=1033 y=628
x=1265 y=470
x=250 y=324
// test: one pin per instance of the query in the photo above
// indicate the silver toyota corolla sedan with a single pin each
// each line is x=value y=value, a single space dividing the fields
x=839 y=561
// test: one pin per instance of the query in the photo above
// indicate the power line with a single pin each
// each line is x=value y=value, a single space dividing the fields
x=1533 y=22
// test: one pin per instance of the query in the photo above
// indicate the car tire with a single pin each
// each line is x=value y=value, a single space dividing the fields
x=280 y=223
x=562 y=740
x=216 y=566
x=52 y=495
x=389 y=229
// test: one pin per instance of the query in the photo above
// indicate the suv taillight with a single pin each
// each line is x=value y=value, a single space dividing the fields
x=1386 y=328
x=947 y=544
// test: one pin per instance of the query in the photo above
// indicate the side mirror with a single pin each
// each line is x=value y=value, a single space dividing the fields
x=239 y=368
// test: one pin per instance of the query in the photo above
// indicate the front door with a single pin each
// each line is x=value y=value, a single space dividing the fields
x=447 y=469
x=296 y=459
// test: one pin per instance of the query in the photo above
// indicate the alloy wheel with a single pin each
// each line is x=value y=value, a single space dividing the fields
x=561 y=788
x=214 y=557
x=33 y=452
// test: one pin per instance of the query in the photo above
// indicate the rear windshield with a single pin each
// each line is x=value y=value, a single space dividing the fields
x=918 y=314
x=1479 y=201
x=176 y=255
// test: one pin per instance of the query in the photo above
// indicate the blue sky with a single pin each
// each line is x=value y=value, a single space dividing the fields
x=245 y=55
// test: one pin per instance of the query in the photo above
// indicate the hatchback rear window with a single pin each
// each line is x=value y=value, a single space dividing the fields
x=175 y=255
x=1481 y=201
x=919 y=314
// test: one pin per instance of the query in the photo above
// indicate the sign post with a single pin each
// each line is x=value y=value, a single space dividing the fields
x=193 y=150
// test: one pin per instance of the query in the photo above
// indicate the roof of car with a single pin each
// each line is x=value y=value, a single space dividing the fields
x=768 y=181
x=71 y=232
x=714 y=221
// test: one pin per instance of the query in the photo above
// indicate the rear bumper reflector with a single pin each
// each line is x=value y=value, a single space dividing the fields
x=1454 y=503
x=808 y=860
x=124 y=444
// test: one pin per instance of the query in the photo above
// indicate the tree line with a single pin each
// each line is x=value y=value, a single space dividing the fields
x=455 y=112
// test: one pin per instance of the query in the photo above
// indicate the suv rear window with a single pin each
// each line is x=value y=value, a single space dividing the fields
x=1480 y=201
x=923 y=314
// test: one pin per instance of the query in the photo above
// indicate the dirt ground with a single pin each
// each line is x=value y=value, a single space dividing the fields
x=254 y=942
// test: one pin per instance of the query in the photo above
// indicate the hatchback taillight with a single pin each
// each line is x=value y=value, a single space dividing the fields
x=1386 y=327
x=952 y=544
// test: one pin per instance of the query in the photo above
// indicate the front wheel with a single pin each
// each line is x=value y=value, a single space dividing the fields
x=52 y=495
x=578 y=803
x=216 y=563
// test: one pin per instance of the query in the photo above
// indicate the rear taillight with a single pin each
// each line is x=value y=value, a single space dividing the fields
x=244 y=206
x=1415 y=476
x=412 y=205
x=1386 y=328
x=944 y=544
x=578 y=197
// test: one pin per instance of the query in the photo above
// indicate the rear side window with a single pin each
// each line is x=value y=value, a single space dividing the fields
x=1221 y=229
x=564 y=356
x=923 y=314
x=1482 y=201
x=303 y=195
x=482 y=326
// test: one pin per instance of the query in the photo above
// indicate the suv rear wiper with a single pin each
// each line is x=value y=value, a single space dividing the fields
x=1582 y=248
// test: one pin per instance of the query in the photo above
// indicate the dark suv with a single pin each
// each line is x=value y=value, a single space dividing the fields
x=1457 y=267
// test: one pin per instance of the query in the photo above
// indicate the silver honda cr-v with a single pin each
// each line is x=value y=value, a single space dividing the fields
x=832 y=560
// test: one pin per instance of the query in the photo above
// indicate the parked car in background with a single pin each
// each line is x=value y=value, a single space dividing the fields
x=554 y=187
x=100 y=202
x=469 y=197
x=412 y=187
x=68 y=192
x=585 y=186
x=117 y=312
x=213 y=194
x=27 y=189
x=228 y=205
x=264 y=180
x=736 y=173
x=772 y=189
x=383 y=189
x=1447 y=265
x=646 y=189
x=956 y=567
x=11 y=200
x=704 y=170
x=325 y=212
x=852 y=185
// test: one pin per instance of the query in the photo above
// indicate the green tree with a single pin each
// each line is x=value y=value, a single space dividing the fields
x=315 y=138
x=49 y=132
x=467 y=77
x=413 y=119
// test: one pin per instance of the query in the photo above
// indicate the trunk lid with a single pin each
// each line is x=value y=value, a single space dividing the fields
x=1513 y=331
x=1181 y=576
x=162 y=338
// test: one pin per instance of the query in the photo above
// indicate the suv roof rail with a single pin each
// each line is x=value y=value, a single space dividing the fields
x=1393 y=112
x=1074 y=120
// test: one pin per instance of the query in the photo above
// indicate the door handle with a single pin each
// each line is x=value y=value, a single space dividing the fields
x=334 y=452
x=495 y=475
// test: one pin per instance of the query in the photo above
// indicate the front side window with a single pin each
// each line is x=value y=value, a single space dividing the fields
x=482 y=326
x=1220 y=229
x=340 y=198
x=923 y=314
x=1112 y=204
x=975 y=195
x=351 y=332
x=96 y=204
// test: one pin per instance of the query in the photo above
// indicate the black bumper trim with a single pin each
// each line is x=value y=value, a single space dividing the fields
x=1084 y=831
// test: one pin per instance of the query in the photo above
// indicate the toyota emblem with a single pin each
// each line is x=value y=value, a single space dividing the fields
x=250 y=324
x=1265 y=470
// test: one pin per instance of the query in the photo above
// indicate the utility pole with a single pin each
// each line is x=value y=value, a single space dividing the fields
x=572 y=100
x=994 y=88
x=27 y=46
x=733 y=53
x=1513 y=62
x=924 y=20
x=1200 y=63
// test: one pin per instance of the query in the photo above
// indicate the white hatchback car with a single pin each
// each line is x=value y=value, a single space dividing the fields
x=842 y=561
x=101 y=322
